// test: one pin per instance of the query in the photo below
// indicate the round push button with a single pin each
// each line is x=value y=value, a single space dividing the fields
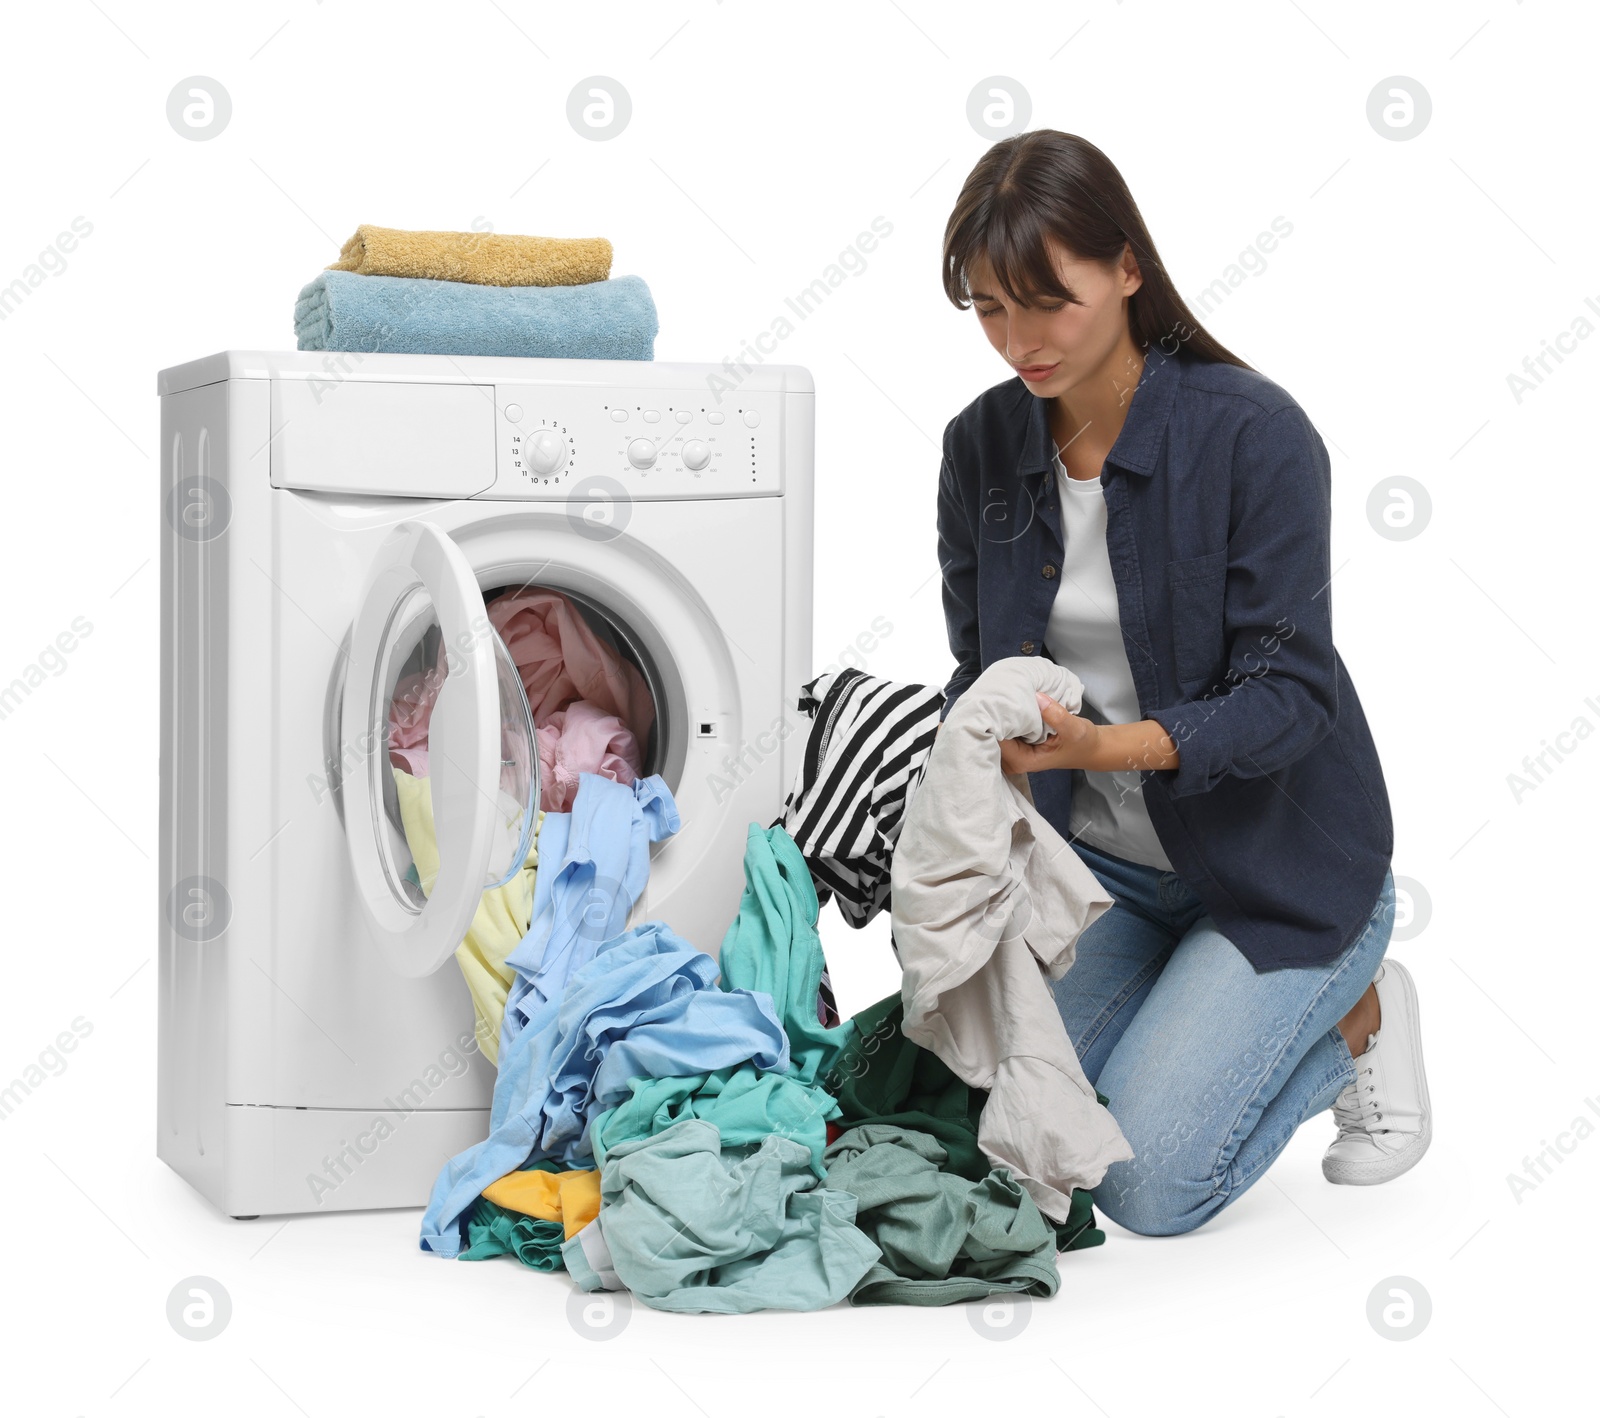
x=751 y=418
x=513 y=413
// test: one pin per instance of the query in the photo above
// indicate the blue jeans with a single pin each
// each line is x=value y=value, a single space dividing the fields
x=1208 y=1066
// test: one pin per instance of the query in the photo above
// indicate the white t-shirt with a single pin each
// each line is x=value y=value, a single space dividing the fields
x=1085 y=635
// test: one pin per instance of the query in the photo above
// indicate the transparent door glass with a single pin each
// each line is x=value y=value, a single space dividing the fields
x=412 y=671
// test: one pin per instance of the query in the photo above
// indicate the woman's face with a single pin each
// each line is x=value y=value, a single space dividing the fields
x=1055 y=345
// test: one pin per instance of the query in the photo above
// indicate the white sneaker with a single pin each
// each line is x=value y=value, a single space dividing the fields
x=1385 y=1120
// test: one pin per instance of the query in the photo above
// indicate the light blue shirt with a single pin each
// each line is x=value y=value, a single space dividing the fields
x=593 y=863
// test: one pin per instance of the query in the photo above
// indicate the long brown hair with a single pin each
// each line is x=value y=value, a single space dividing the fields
x=1045 y=183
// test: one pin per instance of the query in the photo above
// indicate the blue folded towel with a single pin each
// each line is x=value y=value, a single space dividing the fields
x=612 y=319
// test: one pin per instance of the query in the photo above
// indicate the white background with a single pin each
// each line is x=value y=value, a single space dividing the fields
x=1418 y=276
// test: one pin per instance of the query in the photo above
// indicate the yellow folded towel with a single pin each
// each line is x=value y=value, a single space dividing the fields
x=479 y=257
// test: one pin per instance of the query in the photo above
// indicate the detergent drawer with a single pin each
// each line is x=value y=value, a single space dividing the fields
x=385 y=439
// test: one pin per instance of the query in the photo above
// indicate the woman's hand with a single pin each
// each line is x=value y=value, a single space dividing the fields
x=1073 y=742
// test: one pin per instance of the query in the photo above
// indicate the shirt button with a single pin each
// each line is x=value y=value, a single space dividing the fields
x=1049 y=572
x=1027 y=647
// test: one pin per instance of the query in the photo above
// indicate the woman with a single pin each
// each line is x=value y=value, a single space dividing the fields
x=1141 y=506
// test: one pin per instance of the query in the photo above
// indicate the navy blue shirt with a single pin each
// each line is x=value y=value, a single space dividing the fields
x=1217 y=498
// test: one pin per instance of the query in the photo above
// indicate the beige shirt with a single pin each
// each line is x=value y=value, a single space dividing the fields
x=987 y=901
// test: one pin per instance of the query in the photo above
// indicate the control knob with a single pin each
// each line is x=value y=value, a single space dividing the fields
x=545 y=452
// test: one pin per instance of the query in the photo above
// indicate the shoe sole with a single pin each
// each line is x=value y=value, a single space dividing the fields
x=1371 y=1174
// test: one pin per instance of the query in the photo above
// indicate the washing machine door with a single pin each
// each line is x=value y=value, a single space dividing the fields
x=442 y=799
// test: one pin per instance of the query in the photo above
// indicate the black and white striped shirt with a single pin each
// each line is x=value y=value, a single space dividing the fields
x=864 y=757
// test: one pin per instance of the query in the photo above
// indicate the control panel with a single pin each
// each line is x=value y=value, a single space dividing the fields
x=557 y=439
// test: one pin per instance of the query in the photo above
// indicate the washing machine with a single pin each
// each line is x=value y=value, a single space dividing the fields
x=332 y=522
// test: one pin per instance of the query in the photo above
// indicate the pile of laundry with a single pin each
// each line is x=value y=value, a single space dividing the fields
x=476 y=293
x=592 y=713
x=692 y=1130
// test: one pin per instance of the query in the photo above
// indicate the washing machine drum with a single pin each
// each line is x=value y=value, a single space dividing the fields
x=445 y=799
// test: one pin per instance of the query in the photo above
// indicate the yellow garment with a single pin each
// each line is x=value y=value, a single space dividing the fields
x=572 y=1198
x=498 y=924
x=479 y=258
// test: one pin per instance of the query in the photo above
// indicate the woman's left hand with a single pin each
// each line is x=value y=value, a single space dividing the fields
x=1073 y=742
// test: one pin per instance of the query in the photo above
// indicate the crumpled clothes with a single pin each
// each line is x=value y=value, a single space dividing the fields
x=943 y=1238
x=594 y=864
x=530 y=1213
x=592 y=710
x=694 y=1229
x=410 y=709
x=882 y=1077
x=571 y=1197
x=646 y=1005
x=561 y=659
x=773 y=950
x=582 y=738
x=743 y=1104
x=494 y=1230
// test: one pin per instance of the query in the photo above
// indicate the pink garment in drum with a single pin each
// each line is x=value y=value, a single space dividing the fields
x=582 y=738
x=562 y=663
x=409 y=712
x=562 y=659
